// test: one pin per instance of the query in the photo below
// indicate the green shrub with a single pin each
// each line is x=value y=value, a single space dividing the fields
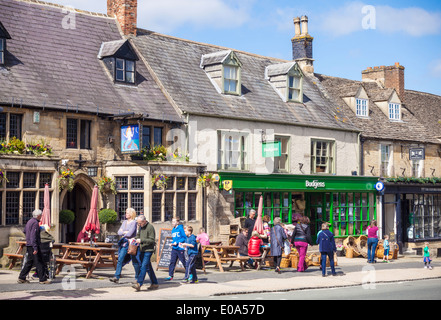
x=67 y=216
x=107 y=216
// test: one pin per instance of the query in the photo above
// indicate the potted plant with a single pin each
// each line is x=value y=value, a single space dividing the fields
x=66 y=180
x=107 y=216
x=206 y=180
x=160 y=181
x=156 y=153
x=39 y=149
x=107 y=184
x=65 y=217
x=13 y=146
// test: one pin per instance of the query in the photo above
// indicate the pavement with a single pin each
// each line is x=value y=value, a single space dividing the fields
x=72 y=285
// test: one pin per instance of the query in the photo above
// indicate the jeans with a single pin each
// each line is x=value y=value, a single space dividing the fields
x=145 y=267
x=37 y=260
x=122 y=253
x=301 y=247
x=175 y=255
x=324 y=255
x=372 y=245
x=190 y=268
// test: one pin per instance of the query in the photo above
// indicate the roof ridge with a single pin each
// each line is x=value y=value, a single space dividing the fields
x=211 y=45
x=60 y=6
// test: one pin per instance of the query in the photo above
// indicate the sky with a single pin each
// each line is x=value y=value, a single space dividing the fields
x=349 y=36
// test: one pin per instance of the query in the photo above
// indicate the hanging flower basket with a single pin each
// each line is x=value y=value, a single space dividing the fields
x=106 y=185
x=3 y=176
x=160 y=181
x=66 y=180
x=207 y=180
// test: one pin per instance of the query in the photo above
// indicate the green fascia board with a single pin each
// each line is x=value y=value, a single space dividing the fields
x=308 y=183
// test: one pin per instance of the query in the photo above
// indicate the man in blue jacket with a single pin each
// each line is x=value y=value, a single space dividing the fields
x=178 y=251
x=326 y=242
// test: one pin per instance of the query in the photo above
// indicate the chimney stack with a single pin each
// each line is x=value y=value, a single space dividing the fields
x=302 y=45
x=125 y=12
x=387 y=77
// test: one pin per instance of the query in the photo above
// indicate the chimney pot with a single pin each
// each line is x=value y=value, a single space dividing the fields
x=297 y=26
x=304 y=21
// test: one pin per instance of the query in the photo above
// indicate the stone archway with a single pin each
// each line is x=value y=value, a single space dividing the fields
x=78 y=200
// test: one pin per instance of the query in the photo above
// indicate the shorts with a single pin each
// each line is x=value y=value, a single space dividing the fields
x=427 y=259
x=386 y=252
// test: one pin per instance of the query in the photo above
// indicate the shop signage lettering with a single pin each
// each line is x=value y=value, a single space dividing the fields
x=271 y=149
x=315 y=184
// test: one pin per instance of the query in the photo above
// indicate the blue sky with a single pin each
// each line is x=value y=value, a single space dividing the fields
x=349 y=36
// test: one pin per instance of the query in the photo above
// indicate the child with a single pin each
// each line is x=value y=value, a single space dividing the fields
x=178 y=251
x=192 y=251
x=386 y=247
x=427 y=259
x=202 y=238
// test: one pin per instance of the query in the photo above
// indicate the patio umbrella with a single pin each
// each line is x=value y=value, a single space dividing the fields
x=46 y=216
x=93 y=222
x=258 y=226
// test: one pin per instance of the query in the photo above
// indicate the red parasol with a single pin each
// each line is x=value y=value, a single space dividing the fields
x=93 y=222
x=46 y=216
x=258 y=226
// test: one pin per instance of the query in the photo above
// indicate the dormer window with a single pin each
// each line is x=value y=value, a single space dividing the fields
x=125 y=70
x=361 y=107
x=120 y=60
x=224 y=70
x=394 y=111
x=287 y=81
x=2 y=50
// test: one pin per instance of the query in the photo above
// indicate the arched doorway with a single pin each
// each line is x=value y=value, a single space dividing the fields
x=78 y=200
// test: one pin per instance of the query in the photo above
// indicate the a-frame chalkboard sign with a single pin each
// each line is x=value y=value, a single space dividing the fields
x=163 y=254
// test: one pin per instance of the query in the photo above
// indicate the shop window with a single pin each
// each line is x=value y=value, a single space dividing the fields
x=178 y=199
x=322 y=156
x=424 y=219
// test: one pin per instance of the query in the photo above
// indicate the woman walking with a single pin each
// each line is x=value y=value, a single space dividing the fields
x=277 y=238
x=326 y=242
x=301 y=237
x=372 y=241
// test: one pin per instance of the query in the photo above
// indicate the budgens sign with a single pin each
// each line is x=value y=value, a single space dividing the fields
x=315 y=184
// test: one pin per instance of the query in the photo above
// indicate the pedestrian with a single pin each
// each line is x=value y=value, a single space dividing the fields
x=266 y=229
x=242 y=243
x=126 y=231
x=254 y=246
x=46 y=240
x=192 y=252
x=250 y=222
x=33 y=249
x=386 y=248
x=146 y=239
x=300 y=239
x=278 y=237
x=203 y=238
x=178 y=251
x=372 y=242
x=427 y=259
x=327 y=247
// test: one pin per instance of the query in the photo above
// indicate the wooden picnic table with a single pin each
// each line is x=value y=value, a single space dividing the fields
x=21 y=250
x=222 y=254
x=89 y=257
x=99 y=244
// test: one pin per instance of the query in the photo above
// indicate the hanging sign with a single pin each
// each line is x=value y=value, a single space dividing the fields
x=227 y=184
x=271 y=149
x=417 y=154
x=130 y=138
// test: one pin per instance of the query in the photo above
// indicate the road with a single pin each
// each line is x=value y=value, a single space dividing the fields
x=404 y=290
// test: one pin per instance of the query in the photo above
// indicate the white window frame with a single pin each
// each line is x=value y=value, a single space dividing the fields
x=285 y=148
x=329 y=157
x=292 y=88
x=385 y=164
x=230 y=76
x=233 y=150
x=417 y=168
x=361 y=107
x=394 y=111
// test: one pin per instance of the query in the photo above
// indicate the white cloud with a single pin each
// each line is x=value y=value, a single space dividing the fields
x=167 y=15
x=411 y=21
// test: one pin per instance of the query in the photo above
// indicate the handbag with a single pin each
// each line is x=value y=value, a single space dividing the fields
x=287 y=247
x=133 y=248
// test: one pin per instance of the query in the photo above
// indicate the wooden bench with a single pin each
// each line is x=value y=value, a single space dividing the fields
x=13 y=257
x=71 y=261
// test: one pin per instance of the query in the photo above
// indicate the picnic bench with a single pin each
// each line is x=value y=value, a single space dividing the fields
x=19 y=253
x=87 y=256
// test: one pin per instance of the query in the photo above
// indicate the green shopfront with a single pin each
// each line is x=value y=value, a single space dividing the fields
x=348 y=203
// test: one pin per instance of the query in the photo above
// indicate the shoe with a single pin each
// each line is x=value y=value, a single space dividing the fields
x=190 y=277
x=430 y=267
x=115 y=280
x=46 y=282
x=278 y=270
x=195 y=281
x=153 y=287
x=334 y=274
x=137 y=286
x=22 y=281
x=168 y=278
x=425 y=267
x=184 y=281
x=323 y=275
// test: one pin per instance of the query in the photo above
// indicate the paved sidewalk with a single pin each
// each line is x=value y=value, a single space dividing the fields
x=351 y=272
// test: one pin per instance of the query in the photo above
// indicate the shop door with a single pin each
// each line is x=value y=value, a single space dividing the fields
x=317 y=210
x=78 y=200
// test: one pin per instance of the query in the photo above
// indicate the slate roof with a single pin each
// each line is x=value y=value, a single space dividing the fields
x=377 y=125
x=57 y=68
x=177 y=64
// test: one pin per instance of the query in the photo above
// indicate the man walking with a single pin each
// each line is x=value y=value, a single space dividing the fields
x=33 y=249
x=146 y=239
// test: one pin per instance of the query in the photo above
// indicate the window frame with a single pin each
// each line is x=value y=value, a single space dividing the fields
x=224 y=152
x=330 y=164
x=394 y=111
x=81 y=138
x=125 y=71
x=7 y=119
x=286 y=140
x=361 y=107
x=385 y=164
x=2 y=51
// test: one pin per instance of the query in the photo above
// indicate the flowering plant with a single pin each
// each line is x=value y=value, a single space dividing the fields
x=66 y=180
x=3 y=176
x=178 y=156
x=155 y=153
x=206 y=180
x=41 y=148
x=13 y=146
x=160 y=181
x=107 y=184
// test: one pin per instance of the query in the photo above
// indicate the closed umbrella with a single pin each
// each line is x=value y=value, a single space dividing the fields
x=92 y=224
x=46 y=216
x=258 y=225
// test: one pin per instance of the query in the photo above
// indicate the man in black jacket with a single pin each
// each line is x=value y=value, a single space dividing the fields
x=33 y=249
x=250 y=222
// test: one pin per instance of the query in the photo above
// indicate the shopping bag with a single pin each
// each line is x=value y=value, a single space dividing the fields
x=133 y=247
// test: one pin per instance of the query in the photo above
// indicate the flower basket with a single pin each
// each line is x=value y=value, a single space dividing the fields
x=66 y=180
x=106 y=185
x=159 y=181
x=3 y=176
x=206 y=180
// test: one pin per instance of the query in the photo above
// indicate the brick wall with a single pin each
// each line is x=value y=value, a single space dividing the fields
x=389 y=77
x=125 y=12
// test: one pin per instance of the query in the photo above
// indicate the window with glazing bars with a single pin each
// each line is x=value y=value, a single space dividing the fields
x=15 y=124
x=137 y=202
x=45 y=178
x=137 y=183
x=13 y=180
x=72 y=133
x=121 y=183
x=29 y=179
x=121 y=205
x=2 y=126
x=12 y=207
x=28 y=205
x=322 y=156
